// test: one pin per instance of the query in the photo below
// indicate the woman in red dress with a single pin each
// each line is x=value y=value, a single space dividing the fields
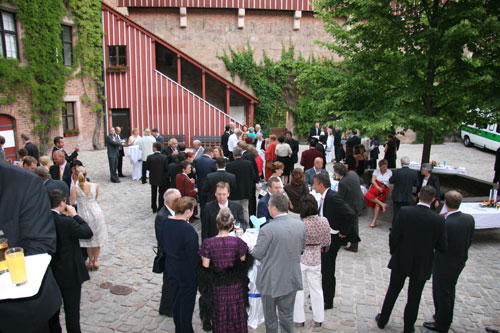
x=379 y=190
x=184 y=184
x=270 y=155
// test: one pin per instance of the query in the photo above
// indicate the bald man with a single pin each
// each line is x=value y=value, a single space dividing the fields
x=61 y=170
x=316 y=169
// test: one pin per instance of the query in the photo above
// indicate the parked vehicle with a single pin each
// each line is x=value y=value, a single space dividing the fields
x=488 y=137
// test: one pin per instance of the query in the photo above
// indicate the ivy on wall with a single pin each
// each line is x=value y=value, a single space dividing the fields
x=285 y=86
x=44 y=76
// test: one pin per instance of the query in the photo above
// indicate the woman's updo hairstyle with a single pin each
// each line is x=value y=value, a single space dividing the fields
x=225 y=219
x=180 y=205
x=81 y=173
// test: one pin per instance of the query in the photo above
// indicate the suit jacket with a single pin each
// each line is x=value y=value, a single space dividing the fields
x=157 y=164
x=184 y=185
x=209 y=185
x=459 y=230
x=294 y=144
x=32 y=150
x=353 y=141
x=199 y=153
x=308 y=156
x=314 y=132
x=54 y=184
x=350 y=191
x=310 y=175
x=159 y=139
x=146 y=145
x=69 y=158
x=160 y=218
x=26 y=221
x=338 y=138
x=262 y=210
x=223 y=141
x=54 y=173
x=245 y=178
x=204 y=166
x=433 y=181
x=340 y=216
x=113 y=145
x=404 y=180
x=249 y=157
x=209 y=216
x=414 y=236
x=279 y=248
x=68 y=264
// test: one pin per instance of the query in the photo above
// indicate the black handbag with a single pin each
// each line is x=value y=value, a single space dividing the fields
x=159 y=261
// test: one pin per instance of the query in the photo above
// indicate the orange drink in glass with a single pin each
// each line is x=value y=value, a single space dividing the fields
x=17 y=267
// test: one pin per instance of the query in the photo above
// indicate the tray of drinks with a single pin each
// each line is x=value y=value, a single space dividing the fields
x=36 y=266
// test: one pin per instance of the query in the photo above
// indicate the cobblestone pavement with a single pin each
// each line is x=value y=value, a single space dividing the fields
x=362 y=278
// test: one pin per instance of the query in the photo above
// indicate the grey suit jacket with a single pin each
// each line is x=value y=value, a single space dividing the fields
x=350 y=191
x=279 y=247
x=310 y=175
x=199 y=153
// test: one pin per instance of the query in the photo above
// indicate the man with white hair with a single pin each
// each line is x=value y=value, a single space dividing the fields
x=198 y=149
x=258 y=130
x=146 y=145
x=166 y=295
x=404 y=180
x=232 y=142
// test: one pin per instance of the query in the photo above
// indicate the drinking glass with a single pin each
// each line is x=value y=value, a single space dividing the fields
x=3 y=262
x=17 y=266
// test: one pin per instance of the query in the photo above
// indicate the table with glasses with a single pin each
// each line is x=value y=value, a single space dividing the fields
x=441 y=168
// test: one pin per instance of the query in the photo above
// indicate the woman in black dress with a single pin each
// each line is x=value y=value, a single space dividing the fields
x=426 y=177
x=390 y=152
x=180 y=242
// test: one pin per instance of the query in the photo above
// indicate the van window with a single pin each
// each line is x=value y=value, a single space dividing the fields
x=498 y=128
x=491 y=127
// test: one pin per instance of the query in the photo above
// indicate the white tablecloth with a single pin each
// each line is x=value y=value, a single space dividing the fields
x=134 y=153
x=485 y=217
x=441 y=169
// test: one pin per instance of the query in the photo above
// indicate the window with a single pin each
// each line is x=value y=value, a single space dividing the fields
x=8 y=35
x=68 y=116
x=67 y=43
x=117 y=55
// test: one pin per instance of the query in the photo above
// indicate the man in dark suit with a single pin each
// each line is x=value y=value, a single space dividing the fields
x=204 y=165
x=166 y=292
x=317 y=168
x=157 y=164
x=59 y=145
x=245 y=178
x=404 y=180
x=252 y=202
x=121 y=153
x=212 y=208
x=113 y=145
x=223 y=140
x=157 y=136
x=26 y=222
x=61 y=170
x=273 y=186
x=308 y=156
x=294 y=144
x=67 y=263
x=315 y=131
x=350 y=191
x=341 y=219
x=171 y=150
x=337 y=142
x=413 y=238
x=353 y=140
x=221 y=175
x=30 y=146
x=449 y=264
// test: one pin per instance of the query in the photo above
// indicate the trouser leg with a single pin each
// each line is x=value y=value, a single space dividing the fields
x=314 y=282
x=396 y=283
x=355 y=226
x=328 y=260
x=411 y=309
x=166 y=297
x=71 y=300
x=299 y=315
x=161 y=191
x=143 y=177
x=443 y=292
x=285 y=311
x=120 y=164
x=154 y=194
x=271 y=320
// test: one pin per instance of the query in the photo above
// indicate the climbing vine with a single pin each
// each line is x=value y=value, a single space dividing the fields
x=43 y=78
x=282 y=86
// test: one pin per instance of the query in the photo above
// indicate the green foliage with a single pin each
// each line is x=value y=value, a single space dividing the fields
x=421 y=67
x=282 y=86
x=13 y=80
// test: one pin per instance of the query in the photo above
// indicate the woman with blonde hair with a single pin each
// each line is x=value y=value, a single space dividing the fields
x=86 y=193
x=45 y=162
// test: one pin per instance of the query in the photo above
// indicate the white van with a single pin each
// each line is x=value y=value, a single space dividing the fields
x=488 y=137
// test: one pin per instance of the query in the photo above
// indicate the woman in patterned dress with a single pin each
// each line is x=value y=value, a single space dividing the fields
x=223 y=254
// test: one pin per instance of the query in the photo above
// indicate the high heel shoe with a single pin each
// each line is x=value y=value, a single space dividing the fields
x=373 y=225
x=90 y=267
x=96 y=267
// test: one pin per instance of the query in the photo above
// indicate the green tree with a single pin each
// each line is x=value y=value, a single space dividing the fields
x=419 y=64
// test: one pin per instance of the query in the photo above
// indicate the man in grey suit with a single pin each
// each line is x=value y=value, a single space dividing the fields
x=317 y=168
x=113 y=145
x=198 y=149
x=350 y=191
x=404 y=180
x=279 y=247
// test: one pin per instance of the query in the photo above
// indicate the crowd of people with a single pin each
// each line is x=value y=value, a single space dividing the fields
x=307 y=221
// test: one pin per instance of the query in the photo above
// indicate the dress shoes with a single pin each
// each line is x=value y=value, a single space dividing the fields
x=379 y=325
x=350 y=249
x=122 y=176
x=115 y=181
x=431 y=325
x=328 y=307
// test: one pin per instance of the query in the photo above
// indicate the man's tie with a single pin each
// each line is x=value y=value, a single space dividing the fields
x=61 y=172
x=320 y=212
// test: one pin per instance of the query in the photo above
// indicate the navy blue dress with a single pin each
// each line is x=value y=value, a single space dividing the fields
x=180 y=241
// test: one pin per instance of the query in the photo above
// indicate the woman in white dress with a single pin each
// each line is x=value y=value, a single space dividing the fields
x=88 y=209
x=136 y=161
x=330 y=147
